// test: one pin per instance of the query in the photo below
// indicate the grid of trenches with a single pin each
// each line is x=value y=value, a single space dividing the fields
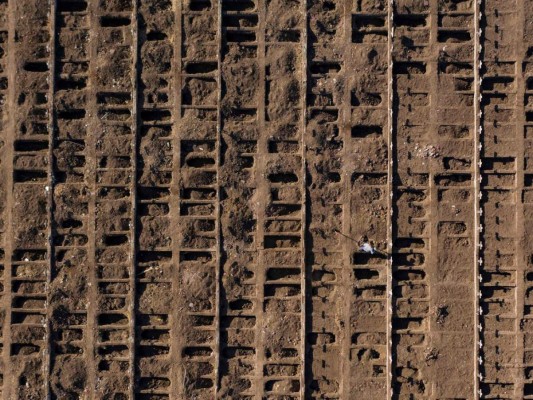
x=186 y=187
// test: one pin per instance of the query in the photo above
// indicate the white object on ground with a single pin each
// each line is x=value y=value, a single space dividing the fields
x=367 y=248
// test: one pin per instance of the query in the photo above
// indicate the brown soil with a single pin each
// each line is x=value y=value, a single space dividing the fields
x=185 y=186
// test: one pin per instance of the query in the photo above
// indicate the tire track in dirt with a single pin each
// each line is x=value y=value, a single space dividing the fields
x=135 y=381
x=7 y=134
x=390 y=194
x=220 y=243
x=524 y=167
x=262 y=196
x=434 y=198
x=345 y=273
x=523 y=387
x=524 y=74
x=90 y=179
x=477 y=203
x=174 y=210
x=304 y=269
x=49 y=189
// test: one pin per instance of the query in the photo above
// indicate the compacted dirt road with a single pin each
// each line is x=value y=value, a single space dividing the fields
x=185 y=187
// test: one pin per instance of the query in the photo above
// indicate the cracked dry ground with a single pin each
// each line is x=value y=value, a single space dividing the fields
x=185 y=186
